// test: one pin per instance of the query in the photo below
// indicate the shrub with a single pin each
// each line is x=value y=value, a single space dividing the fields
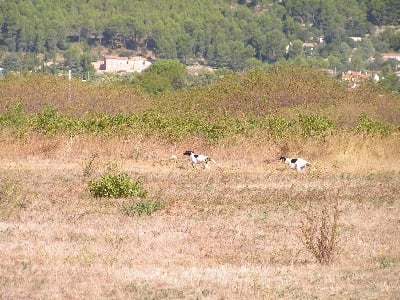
x=319 y=231
x=15 y=119
x=13 y=116
x=278 y=127
x=214 y=132
x=49 y=121
x=117 y=186
x=315 y=125
x=142 y=207
x=370 y=126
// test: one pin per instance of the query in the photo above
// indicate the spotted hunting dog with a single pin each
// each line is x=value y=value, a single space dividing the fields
x=295 y=163
x=199 y=159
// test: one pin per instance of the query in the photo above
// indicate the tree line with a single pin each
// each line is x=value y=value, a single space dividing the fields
x=221 y=33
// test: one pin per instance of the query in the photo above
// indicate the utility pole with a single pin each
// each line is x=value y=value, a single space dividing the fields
x=69 y=85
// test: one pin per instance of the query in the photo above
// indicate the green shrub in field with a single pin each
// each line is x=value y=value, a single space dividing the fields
x=116 y=186
x=175 y=126
x=279 y=127
x=49 y=121
x=315 y=125
x=214 y=132
x=14 y=118
x=120 y=185
x=166 y=125
x=370 y=126
x=143 y=207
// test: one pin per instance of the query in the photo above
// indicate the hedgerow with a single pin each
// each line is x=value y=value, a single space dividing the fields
x=49 y=121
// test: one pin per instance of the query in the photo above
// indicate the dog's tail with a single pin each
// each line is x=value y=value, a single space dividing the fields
x=208 y=160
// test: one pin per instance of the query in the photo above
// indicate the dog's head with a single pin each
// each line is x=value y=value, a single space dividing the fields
x=188 y=152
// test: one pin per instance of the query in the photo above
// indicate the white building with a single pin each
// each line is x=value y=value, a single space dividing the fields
x=116 y=64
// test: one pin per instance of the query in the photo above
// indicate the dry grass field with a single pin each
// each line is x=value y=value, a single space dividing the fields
x=232 y=232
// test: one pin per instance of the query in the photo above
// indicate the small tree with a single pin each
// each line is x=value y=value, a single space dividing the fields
x=296 y=49
x=164 y=75
x=72 y=60
x=86 y=64
x=391 y=82
x=12 y=62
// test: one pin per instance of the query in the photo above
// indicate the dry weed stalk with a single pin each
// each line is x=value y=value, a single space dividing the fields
x=319 y=231
x=88 y=165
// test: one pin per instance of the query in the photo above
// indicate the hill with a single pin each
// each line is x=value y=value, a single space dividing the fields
x=237 y=35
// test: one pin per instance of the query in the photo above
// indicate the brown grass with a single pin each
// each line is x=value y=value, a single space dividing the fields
x=72 y=98
x=229 y=233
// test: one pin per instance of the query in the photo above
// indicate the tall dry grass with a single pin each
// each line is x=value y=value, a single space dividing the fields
x=72 y=98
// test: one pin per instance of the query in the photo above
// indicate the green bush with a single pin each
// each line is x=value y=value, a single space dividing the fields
x=142 y=207
x=214 y=133
x=370 y=126
x=278 y=127
x=116 y=186
x=15 y=119
x=13 y=116
x=315 y=125
x=49 y=121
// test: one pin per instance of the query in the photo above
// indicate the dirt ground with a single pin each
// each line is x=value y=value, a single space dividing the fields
x=231 y=232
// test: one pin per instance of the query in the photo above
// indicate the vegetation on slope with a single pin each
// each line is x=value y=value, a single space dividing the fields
x=280 y=102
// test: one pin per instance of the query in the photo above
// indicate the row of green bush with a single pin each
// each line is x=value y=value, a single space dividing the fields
x=174 y=127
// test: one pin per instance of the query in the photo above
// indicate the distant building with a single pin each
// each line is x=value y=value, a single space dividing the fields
x=309 y=48
x=196 y=69
x=375 y=78
x=356 y=38
x=115 y=64
x=394 y=55
x=354 y=76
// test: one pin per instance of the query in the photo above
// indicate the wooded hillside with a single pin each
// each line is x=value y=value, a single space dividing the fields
x=223 y=33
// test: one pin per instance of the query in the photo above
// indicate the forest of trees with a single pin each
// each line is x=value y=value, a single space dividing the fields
x=220 y=33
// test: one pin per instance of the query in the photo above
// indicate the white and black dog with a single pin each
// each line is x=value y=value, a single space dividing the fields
x=295 y=163
x=199 y=159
